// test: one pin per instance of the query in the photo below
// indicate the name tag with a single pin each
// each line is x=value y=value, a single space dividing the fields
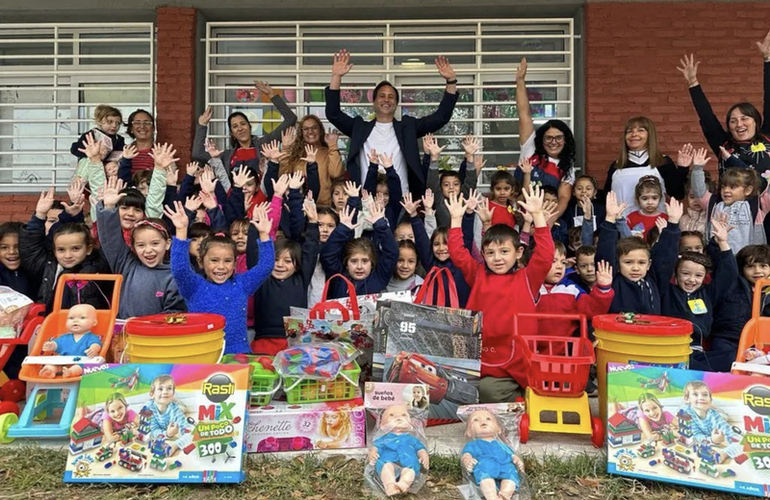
x=697 y=306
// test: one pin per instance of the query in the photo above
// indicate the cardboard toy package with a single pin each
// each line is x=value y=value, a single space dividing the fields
x=709 y=430
x=162 y=423
x=281 y=426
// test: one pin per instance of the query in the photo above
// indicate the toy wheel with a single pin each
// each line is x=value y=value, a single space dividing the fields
x=9 y=407
x=13 y=390
x=597 y=432
x=524 y=429
x=6 y=421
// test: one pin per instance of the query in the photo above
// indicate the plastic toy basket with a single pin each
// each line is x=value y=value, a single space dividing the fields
x=264 y=381
x=316 y=391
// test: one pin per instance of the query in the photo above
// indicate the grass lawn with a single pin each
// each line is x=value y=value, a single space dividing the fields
x=34 y=472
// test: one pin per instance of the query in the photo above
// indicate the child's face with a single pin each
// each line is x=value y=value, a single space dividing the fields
x=693 y=202
x=502 y=193
x=117 y=411
x=129 y=216
x=649 y=201
x=690 y=276
x=404 y=232
x=144 y=188
x=450 y=185
x=383 y=189
x=111 y=169
x=339 y=198
x=636 y=138
x=501 y=257
x=195 y=246
x=407 y=263
x=110 y=125
x=699 y=399
x=239 y=234
x=586 y=268
x=9 y=252
x=635 y=264
x=200 y=215
x=163 y=393
x=71 y=249
x=359 y=266
x=150 y=246
x=558 y=267
x=250 y=188
x=440 y=249
x=731 y=194
x=583 y=188
x=756 y=271
x=51 y=218
x=417 y=393
x=219 y=263
x=550 y=197
x=284 y=267
x=651 y=411
x=332 y=420
x=326 y=225
x=691 y=244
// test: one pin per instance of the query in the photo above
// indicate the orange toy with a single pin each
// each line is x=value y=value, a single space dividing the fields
x=756 y=333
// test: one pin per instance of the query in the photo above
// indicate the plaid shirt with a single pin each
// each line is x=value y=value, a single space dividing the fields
x=160 y=422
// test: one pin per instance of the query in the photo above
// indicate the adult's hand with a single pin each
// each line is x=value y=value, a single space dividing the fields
x=689 y=69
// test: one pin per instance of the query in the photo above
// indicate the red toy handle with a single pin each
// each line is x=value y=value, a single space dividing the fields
x=571 y=317
x=428 y=290
x=320 y=310
x=351 y=295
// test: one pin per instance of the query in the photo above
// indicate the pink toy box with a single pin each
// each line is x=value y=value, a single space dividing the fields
x=160 y=423
x=281 y=426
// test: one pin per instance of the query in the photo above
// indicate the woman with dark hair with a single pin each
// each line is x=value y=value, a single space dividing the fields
x=640 y=156
x=327 y=157
x=745 y=142
x=550 y=150
x=141 y=128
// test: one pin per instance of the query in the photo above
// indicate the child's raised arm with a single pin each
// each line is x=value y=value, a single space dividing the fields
x=187 y=280
x=460 y=255
x=388 y=246
x=664 y=253
x=542 y=257
x=164 y=156
x=252 y=279
x=331 y=252
x=113 y=246
x=32 y=241
x=312 y=245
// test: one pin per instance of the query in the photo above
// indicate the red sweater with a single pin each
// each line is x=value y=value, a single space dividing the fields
x=498 y=297
x=567 y=298
x=501 y=215
x=638 y=222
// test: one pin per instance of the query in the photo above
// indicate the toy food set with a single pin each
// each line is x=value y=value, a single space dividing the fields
x=14 y=307
x=488 y=459
x=710 y=430
x=284 y=426
x=161 y=423
x=398 y=460
x=436 y=346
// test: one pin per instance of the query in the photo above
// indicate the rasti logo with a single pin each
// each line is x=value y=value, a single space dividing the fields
x=757 y=399
x=217 y=389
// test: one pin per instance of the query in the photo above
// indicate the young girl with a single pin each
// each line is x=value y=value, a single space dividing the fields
x=148 y=287
x=505 y=190
x=694 y=218
x=199 y=231
x=336 y=426
x=404 y=277
x=419 y=399
x=117 y=417
x=327 y=222
x=586 y=189
x=648 y=195
x=357 y=258
x=220 y=290
x=339 y=195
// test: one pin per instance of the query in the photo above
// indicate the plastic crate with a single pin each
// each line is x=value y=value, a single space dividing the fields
x=318 y=391
x=263 y=381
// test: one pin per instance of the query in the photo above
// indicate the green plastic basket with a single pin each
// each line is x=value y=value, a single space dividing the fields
x=263 y=381
x=318 y=391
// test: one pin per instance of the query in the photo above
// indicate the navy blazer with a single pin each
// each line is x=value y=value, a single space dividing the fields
x=408 y=130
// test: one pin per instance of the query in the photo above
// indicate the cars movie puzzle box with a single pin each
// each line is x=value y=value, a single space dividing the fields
x=160 y=423
x=709 y=430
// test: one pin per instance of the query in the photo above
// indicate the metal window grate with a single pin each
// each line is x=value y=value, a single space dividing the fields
x=52 y=76
x=295 y=57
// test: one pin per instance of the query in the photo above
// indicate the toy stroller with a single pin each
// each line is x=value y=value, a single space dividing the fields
x=46 y=395
x=754 y=347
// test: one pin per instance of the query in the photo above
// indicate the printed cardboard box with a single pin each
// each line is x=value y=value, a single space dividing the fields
x=709 y=430
x=161 y=423
x=281 y=426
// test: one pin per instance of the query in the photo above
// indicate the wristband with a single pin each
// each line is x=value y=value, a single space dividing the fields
x=452 y=82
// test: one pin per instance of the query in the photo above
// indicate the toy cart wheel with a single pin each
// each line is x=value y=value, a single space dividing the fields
x=524 y=429
x=9 y=407
x=13 y=390
x=597 y=432
x=6 y=421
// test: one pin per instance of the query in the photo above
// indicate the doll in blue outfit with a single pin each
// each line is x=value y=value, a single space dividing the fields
x=489 y=458
x=397 y=448
x=79 y=341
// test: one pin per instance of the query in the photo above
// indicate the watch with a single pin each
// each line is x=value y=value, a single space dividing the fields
x=452 y=82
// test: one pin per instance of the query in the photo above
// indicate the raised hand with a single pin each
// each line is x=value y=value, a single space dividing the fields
x=603 y=274
x=212 y=149
x=719 y=230
x=272 y=151
x=410 y=206
x=376 y=213
x=241 y=176
x=684 y=155
x=332 y=137
x=346 y=217
x=111 y=192
x=364 y=195
x=44 y=204
x=550 y=211
x=177 y=215
x=474 y=198
x=373 y=156
x=533 y=202
x=428 y=200
x=205 y=117
x=288 y=137
x=209 y=200
x=479 y=162
x=341 y=65
x=75 y=206
x=689 y=69
x=483 y=211
x=456 y=206
x=129 y=152
x=725 y=154
x=208 y=182
x=193 y=168
x=164 y=155
x=445 y=69
x=700 y=158
x=764 y=47
x=588 y=207
x=264 y=87
x=521 y=71
x=661 y=224
x=471 y=144
x=296 y=180
x=91 y=148
x=674 y=209
x=281 y=186
x=310 y=152
x=247 y=198
x=76 y=188
x=614 y=210
x=386 y=160
x=352 y=189
x=379 y=198
x=172 y=175
x=262 y=222
x=193 y=203
x=525 y=165
x=430 y=145
x=309 y=208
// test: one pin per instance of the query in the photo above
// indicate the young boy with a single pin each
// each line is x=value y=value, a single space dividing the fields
x=636 y=289
x=707 y=425
x=585 y=268
x=168 y=420
x=499 y=291
x=445 y=183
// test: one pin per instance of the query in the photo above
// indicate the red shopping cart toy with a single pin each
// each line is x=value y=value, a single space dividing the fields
x=557 y=376
x=13 y=390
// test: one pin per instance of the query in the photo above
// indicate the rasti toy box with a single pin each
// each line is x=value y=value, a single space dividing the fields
x=709 y=430
x=163 y=423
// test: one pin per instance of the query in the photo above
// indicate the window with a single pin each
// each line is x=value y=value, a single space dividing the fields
x=51 y=79
x=484 y=54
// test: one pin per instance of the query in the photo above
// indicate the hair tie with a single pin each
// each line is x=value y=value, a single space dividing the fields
x=220 y=234
x=155 y=225
x=502 y=167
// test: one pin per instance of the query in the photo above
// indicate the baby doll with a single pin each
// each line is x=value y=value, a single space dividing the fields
x=489 y=458
x=78 y=342
x=397 y=448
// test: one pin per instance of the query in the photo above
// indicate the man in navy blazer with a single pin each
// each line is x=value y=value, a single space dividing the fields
x=385 y=134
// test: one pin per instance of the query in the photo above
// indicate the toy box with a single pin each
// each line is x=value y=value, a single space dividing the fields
x=281 y=426
x=710 y=430
x=160 y=423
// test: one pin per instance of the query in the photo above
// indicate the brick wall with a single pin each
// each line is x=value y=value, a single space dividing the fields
x=632 y=50
x=17 y=207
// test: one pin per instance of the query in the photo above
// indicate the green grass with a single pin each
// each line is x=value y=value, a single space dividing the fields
x=36 y=473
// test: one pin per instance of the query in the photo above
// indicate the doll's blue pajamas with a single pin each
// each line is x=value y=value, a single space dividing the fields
x=399 y=449
x=66 y=345
x=495 y=461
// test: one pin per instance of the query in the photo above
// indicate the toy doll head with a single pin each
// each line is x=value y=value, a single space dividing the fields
x=131 y=208
x=697 y=394
x=651 y=407
x=217 y=258
x=359 y=258
x=150 y=241
x=10 y=258
x=648 y=193
x=396 y=418
x=336 y=424
x=162 y=389
x=81 y=318
x=633 y=258
x=690 y=271
x=72 y=244
x=116 y=407
x=483 y=424
x=504 y=187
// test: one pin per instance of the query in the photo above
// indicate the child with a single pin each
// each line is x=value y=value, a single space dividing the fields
x=585 y=191
x=328 y=220
x=108 y=121
x=11 y=274
x=505 y=191
x=356 y=258
x=653 y=419
x=168 y=421
x=647 y=194
x=444 y=183
x=691 y=241
x=79 y=341
x=220 y=290
x=404 y=231
x=404 y=277
x=499 y=291
x=198 y=232
x=239 y=233
x=387 y=186
x=584 y=276
x=336 y=426
x=141 y=180
x=117 y=417
x=148 y=287
x=419 y=399
x=694 y=218
x=339 y=194
x=708 y=426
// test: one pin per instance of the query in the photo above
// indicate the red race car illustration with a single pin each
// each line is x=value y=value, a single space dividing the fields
x=444 y=383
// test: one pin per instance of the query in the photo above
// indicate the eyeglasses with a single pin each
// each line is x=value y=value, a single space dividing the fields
x=143 y=123
x=314 y=128
x=554 y=139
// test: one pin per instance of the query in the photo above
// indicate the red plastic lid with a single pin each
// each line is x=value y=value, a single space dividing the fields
x=166 y=325
x=642 y=324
